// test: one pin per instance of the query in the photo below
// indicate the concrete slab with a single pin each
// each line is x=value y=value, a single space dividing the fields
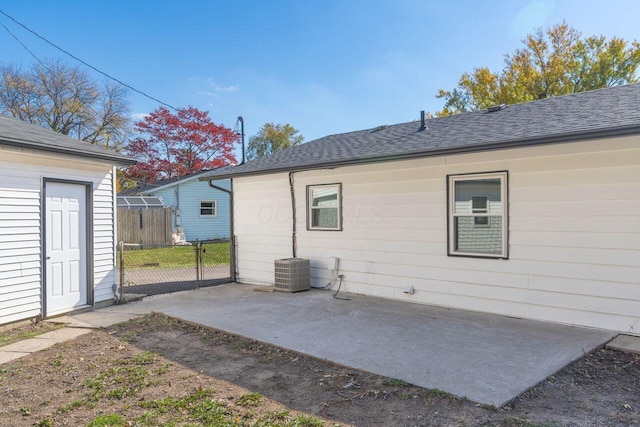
x=71 y=321
x=101 y=318
x=10 y=356
x=487 y=358
x=44 y=341
x=30 y=345
x=626 y=343
x=62 y=335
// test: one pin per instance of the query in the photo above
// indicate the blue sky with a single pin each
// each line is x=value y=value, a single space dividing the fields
x=325 y=67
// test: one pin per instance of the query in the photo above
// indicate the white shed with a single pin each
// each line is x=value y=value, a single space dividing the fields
x=529 y=210
x=57 y=222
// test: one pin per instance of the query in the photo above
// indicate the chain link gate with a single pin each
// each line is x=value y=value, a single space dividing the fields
x=213 y=262
x=158 y=269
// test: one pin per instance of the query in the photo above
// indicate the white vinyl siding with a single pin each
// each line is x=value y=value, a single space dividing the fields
x=104 y=272
x=263 y=225
x=21 y=174
x=19 y=249
x=574 y=232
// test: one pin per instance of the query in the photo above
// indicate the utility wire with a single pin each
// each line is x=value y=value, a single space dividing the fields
x=36 y=58
x=22 y=44
x=79 y=60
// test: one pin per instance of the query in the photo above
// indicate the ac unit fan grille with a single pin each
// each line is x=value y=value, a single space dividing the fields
x=292 y=275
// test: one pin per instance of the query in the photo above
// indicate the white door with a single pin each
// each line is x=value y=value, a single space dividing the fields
x=66 y=241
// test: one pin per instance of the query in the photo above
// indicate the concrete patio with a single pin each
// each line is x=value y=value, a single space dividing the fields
x=487 y=358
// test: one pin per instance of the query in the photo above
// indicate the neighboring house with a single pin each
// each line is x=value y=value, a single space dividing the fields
x=529 y=210
x=57 y=222
x=200 y=211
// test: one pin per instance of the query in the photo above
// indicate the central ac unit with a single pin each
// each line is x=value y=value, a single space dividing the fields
x=292 y=275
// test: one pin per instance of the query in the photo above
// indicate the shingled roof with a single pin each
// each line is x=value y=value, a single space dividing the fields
x=16 y=133
x=160 y=184
x=596 y=114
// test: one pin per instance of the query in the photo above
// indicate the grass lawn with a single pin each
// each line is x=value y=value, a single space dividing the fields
x=175 y=256
x=104 y=382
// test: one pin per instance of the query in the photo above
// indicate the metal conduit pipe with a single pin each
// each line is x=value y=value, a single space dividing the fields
x=294 y=238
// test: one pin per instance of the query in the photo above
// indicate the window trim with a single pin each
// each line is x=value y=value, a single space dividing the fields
x=504 y=195
x=310 y=188
x=215 y=208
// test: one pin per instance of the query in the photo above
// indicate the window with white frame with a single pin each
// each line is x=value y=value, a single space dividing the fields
x=208 y=208
x=324 y=207
x=478 y=220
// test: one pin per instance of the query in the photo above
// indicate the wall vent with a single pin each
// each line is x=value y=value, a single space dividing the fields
x=292 y=275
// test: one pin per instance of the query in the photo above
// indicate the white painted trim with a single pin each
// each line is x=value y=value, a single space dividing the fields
x=451 y=181
x=215 y=208
x=114 y=223
x=85 y=245
x=310 y=208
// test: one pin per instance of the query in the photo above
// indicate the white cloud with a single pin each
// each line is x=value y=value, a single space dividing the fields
x=139 y=116
x=227 y=88
x=220 y=88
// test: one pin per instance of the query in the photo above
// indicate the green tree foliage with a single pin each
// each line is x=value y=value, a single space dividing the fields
x=552 y=63
x=273 y=138
x=66 y=100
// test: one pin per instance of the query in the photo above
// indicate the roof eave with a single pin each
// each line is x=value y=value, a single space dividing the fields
x=118 y=159
x=564 y=138
x=151 y=189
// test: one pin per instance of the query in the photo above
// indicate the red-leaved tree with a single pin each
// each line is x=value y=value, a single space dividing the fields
x=178 y=144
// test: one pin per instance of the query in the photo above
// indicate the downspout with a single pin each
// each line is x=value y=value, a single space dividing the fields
x=117 y=248
x=176 y=214
x=294 y=240
x=232 y=238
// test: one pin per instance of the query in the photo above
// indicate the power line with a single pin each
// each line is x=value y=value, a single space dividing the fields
x=22 y=44
x=79 y=60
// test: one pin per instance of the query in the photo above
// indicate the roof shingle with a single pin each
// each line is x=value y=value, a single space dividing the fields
x=17 y=133
x=150 y=188
x=605 y=112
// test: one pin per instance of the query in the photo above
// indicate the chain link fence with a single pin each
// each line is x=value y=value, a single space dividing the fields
x=159 y=269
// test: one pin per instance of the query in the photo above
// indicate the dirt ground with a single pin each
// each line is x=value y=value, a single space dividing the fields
x=129 y=368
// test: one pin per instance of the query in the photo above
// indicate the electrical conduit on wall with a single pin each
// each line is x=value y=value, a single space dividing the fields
x=294 y=242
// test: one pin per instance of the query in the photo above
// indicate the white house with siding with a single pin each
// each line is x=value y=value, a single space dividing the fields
x=200 y=211
x=57 y=222
x=529 y=210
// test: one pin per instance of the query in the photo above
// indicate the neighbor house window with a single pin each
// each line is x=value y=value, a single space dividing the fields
x=478 y=215
x=208 y=208
x=324 y=204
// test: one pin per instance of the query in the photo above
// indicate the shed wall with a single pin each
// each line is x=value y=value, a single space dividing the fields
x=21 y=174
x=574 y=232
